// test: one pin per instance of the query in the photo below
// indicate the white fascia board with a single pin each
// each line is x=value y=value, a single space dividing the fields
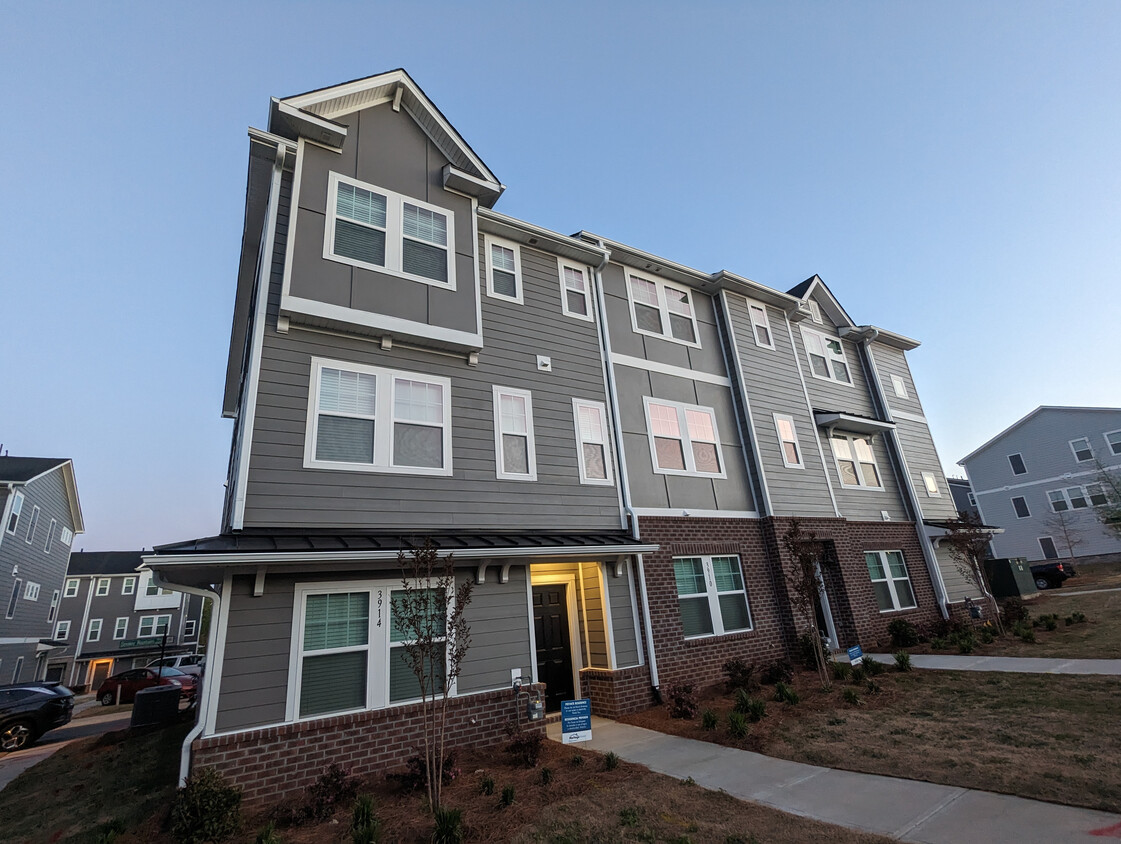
x=457 y=180
x=759 y=292
x=818 y=284
x=656 y=265
x=519 y=231
x=271 y=140
x=855 y=424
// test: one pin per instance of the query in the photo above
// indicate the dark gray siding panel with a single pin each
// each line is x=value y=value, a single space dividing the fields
x=499 y=619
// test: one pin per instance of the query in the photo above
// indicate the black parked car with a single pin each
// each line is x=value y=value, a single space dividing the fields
x=1051 y=575
x=27 y=710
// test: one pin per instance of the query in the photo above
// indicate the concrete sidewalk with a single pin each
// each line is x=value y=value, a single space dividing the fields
x=1023 y=665
x=905 y=809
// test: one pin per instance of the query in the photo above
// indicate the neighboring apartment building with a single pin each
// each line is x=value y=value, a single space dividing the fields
x=41 y=515
x=964 y=500
x=611 y=444
x=1041 y=479
x=112 y=617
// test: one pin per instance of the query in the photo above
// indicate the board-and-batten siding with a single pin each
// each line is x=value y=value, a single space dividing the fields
x=772 y=386
x=254 y=684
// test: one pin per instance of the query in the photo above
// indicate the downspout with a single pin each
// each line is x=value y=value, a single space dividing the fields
x=908 y=489
x=624 y=486
x=85 y=620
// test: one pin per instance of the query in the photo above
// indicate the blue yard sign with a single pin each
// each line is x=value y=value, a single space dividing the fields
x=576 y=720
x=856 y=655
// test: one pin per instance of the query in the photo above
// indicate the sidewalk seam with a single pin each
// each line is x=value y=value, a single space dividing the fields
x=921 y=819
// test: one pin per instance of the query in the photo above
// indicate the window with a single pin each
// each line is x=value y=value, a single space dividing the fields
x=1113 y=441
x=71 y=588
x=930 y=481
x=380 y=230
x=890 y=581
x=151 y=589
x=189 y=628
x=971 y=499
x=50 y=536
x=590 y=418
x=66 y=536
x=576 y=299
x=513 y=435
x=103 y=587
x=1047 y=546
x=827 y=357
x=1020 y=505
x=13 y=516
x=815 y=312
x=53 y=611
x=1076 y=497
x=899 y=385
x=153 y=625
x=760 y=325
x=856 y=464
x=1097 y=494
x=365 y=418
x=93 y=633
x=662 y=310
x=31 y=593
x=711 y=597
x=62 y=632
x=121 y=630
x=16 y=586
x=788 y=441
x=34 y=523
x=1017 y=463
x=128 y=587
x=683 y=439
x=1081 y=449
x=504 y=269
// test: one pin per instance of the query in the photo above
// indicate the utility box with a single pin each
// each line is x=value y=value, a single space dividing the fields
x=156 y=705
x=1010 y=577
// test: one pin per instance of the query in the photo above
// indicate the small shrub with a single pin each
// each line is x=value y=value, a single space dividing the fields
x=682 y=701
x=987 y=636
x=840 y=670
x=487 y=785
x=807 y=653
x=739 y=675
x=688 y=781
x=1027 y=635
x=526 y=746
x=628 y=816
x=938 y=644
x=415 y=775
x=546 y=776
x=902 y=661
x=754 y=708
x=737 y=725
x=851 y=697
x=578 y=760
x=966 y=644
x=507 y=798
x=1069 y=620
x=872 y=687
x=107 y=833
x=1079 y=617
x=1012 y=610
x=449 y=825
x=873 y=668
x=858 y=674
x=365 y=825
x=785 y=693
x=611 y=761
x=207 y=808
x=709 y=719
x=1050 y=623
x=779 y=671
x=334 y=788
x=268 y=835
x=903 y=633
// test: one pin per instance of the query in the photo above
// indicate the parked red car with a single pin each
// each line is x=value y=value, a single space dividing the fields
x=122 y=688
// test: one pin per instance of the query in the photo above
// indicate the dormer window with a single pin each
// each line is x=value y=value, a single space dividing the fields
x=378 y=229
x=662 y=310
x=827 y=357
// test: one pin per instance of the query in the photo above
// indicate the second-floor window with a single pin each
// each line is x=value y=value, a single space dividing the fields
x=661 y=309
x=93 y=632
x=13 y=516
x=788 y=440
x=591 y=441
x=1081 y=449
x=153 y=625
x=121 y=630
x=379 y=229
x=371 y=419
x=1020 y=505
x=31 y=593
x=71 y=588
x=129 y=586
x=62 y=631
x=856 y=462
x=827 y=357
x=53 y=611
x=684 y=439
x=515 y=452
x=17 y=584
x=103 y=587
x=504 y=269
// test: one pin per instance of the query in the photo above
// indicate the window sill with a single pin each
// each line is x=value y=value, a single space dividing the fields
x=383 y=470
x=900 y=610
x=377 y=268
x=709 y=638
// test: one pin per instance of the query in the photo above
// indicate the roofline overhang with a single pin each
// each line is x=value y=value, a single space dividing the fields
x=851 y=422
x=303 y=124
x=879 y=335
x=1024 y=419
x=485 y=191
x=511 y=228
x=71 y=483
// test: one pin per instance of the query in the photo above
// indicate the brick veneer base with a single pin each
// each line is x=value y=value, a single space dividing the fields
x=615 y=693
x=280 y=762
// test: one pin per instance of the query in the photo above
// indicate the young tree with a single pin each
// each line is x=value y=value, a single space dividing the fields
x=806 y=585
x=1065 y=524
x=968 y=544
x=429 y=620
x=1109 y=511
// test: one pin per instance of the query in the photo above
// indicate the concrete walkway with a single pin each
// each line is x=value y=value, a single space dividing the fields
x=1023 y=665
x=1059 y=594
x=905 y=809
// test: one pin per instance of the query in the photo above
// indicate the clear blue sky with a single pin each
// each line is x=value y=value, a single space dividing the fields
x=951 y=170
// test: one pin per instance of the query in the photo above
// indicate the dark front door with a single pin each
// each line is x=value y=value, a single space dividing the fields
x=554 y=652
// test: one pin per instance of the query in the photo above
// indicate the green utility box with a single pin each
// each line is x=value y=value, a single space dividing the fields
x=1010 y=577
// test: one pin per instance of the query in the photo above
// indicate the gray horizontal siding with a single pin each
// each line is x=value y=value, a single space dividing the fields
x=918 y=446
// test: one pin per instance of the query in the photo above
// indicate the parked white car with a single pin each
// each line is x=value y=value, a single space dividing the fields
x=187 y=663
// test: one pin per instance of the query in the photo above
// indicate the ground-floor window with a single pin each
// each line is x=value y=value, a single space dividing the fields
x=711 y=596
x=890 y=580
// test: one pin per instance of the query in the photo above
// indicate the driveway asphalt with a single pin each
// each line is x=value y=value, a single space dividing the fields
x=1022 y=665
x=905 y=809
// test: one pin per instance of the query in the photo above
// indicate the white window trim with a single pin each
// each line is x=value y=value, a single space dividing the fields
x=1074 y=451
x=751 y=304
x=93 y=631
x=394 y=234
x=1022 y=461
x=377 y=646
x=66 y=536
x=1026 y=506
x=1065 y=491
x=13 y=600
x=1109 y=445
x=600 y=408
x=52 y=611
x=189 y=628
x=829 y=357
x=815 y=311
x=62 y=630
x=69 y=592
x=714 y=596
x=561 y=264
x=899 y=386
x=32 y=525
x=50 y=536
x=930 y=483
x=31 y=591
x=15 y=513
x=686 y=441
x=120 y=631
x=663 y=308
x=531 y=448
x=801 y=464
x=128 y=587
x=103 y=586
x=155 y=621
x=852 y=448
x=890 y=580
x=383 y=427
x=488 y=241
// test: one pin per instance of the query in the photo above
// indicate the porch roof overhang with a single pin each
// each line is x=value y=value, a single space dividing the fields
x=850 y=422
x=937 y=530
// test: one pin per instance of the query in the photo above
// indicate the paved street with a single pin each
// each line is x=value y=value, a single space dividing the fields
x=14 y=764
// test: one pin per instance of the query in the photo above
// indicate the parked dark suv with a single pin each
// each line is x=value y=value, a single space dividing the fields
x=1051 y=575
x=27 y=710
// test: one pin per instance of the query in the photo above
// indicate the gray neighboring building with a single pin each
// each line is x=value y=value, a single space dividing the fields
x=41 y=515
x=1039 y=479
x=112 y=617
x=963 y=497
x=610 y=444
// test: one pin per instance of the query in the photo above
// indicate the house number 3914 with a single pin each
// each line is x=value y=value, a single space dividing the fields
x=381 y=596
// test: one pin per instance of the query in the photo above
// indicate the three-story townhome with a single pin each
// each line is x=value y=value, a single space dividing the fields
x=610 y=445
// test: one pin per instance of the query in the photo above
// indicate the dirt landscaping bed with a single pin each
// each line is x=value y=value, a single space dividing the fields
x=1047 y=737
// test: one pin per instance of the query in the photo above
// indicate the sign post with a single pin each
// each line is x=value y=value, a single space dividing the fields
x=576 y=720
